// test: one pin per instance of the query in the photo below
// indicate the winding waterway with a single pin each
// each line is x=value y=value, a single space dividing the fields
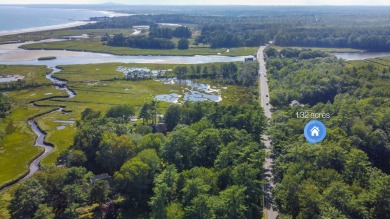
x=11 y=54
x=40 y=140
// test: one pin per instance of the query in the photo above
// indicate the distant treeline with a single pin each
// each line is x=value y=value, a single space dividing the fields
x=169 y=33
x=244 y=74
x=234 y=73
x=159 y=38
x=143 y=42
x=356 y=29
x=220 y=35
x=373 y=38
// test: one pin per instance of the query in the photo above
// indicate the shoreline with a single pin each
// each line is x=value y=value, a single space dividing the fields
x=16 y=51
x=115 y=14
x=110 y=53
x=61 y=26
x=45 y=28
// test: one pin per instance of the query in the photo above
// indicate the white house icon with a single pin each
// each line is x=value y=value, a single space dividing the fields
x=314 y=131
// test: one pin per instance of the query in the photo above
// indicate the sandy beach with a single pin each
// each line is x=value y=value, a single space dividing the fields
x=61 y=26
x=53 y=27
x=115 y=14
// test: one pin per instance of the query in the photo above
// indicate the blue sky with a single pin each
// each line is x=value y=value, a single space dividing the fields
x=203 y=2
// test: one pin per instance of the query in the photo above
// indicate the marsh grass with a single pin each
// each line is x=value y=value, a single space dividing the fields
x=17 y=146
x=95 y=45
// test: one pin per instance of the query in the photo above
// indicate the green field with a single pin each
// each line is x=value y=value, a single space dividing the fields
x=95 y=45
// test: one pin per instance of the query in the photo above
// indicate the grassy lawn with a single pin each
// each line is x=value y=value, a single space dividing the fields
x=95 y=45
x=232 y=94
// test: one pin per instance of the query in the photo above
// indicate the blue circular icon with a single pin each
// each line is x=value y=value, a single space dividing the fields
x=315 y=131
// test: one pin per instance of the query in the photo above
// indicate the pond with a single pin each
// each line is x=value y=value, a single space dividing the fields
x=77 y=58
x=196 y=96
x=10 y=78
x=170 y=98
x=61 y=127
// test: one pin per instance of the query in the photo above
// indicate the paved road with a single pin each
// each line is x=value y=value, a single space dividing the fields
x=264 y=95
x=263 y=83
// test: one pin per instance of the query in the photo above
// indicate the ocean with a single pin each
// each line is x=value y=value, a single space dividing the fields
x=19 y=18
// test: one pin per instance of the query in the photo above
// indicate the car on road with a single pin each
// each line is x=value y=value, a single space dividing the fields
x=266 y=104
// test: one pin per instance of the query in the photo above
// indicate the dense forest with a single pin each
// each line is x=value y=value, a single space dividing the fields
x=243 y=74
x=143 y=42
x=200 y=160
x=158 y=38
x=235 y=73
x=346 y=175
x=207 y=167
x=356 y=28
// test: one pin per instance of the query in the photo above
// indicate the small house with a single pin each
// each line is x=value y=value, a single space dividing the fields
x=295 y=103
x=103 y=176
x=160 y=127
x=249 y=59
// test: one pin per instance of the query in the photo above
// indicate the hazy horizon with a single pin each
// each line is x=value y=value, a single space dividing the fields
x=216 y=2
